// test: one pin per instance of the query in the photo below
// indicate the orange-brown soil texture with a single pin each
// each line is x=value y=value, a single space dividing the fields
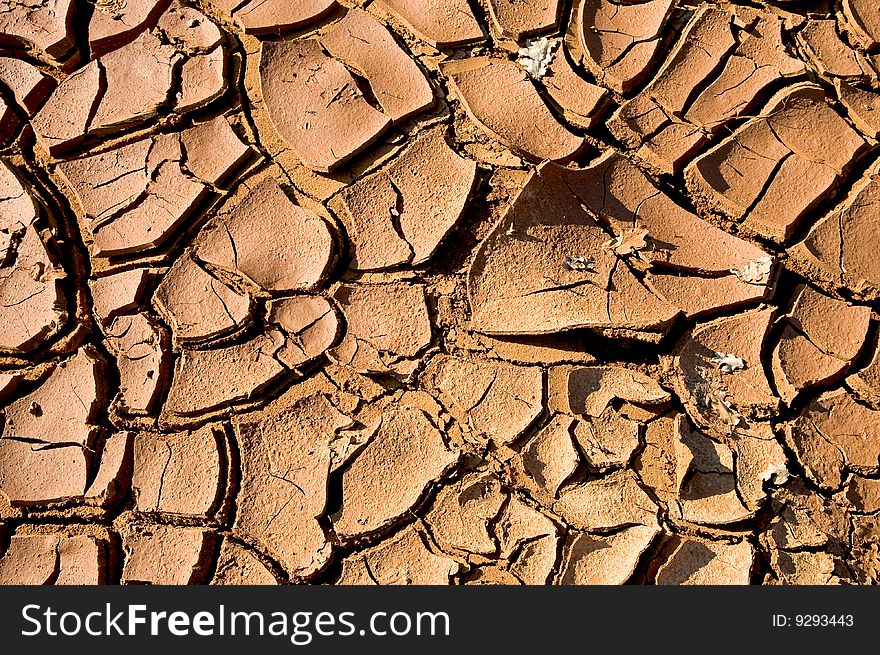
x=439 y=292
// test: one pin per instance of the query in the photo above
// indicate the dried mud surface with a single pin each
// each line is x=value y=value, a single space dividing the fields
x=444 y=292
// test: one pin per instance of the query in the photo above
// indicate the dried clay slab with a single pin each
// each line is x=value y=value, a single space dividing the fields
x=179 y=474
x=729 y=59
x=515 y=19
x=32 y=296
x=820 y=338
x=238 y=565
x=274 y=16
x=388 y=326
x=28 y=84
x=400 y=215
x=132 y=199
x=605 y=559
x=838 y=249
x=862 y=22
x=500 y=97
x=320 y=112
x=165 y=555
x=579 y=101
x=268 y=240
x=391 y=474
x=460 y=515
x=404 y=559
x=46 y=25
x=549 y=266
x=796 y=153
x=496 y=400
x=60 y=559
x=286 y=458
x=835 y=434
x=442 y=23
x=130 y=86
x=829 y=54
x=722 y=396
x=140 y=347
x=863 y=107
x=115 y=23
x=366 y=46
x=698 y=562
x=621 y=39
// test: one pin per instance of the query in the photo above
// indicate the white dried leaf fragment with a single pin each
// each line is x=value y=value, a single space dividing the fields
x=537 y=56
x=728 y=363
x=755 y=272
x=776 y=474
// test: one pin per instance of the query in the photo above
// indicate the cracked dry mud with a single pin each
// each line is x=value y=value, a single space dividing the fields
x=441 y=292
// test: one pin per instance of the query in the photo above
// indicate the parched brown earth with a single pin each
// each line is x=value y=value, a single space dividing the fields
x=442 y=292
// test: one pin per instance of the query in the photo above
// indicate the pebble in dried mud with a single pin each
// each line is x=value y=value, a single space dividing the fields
x=442 y=23
x=519 y=282
x=315 y=104
x=387 y=327
x=605 y=560
x=52 y=559
x=528 y=541
x=820 y=339
x=837 y=250
x=796 y=153
x=141 y=350
x=165 y=555
x=272 y=16
x=460 y=515
x=133 y=198
x=179 y=474
x=399 y=215
x=236 y=565
x=495 y=400
x=697 y=562
x=127 y=87
x=31 y=291
x=404 y=559
x=862 y=21
x=614 y=501
x=621 y=40
x=286 y=458
x=269 y=241
x=46 y=25
x=397 y=83
x=732 y=59
x=713 y=397
x=389 y=477
x=834 y=434
x=500 y=97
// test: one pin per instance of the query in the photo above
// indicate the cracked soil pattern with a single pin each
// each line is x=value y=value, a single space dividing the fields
x=439 y=292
